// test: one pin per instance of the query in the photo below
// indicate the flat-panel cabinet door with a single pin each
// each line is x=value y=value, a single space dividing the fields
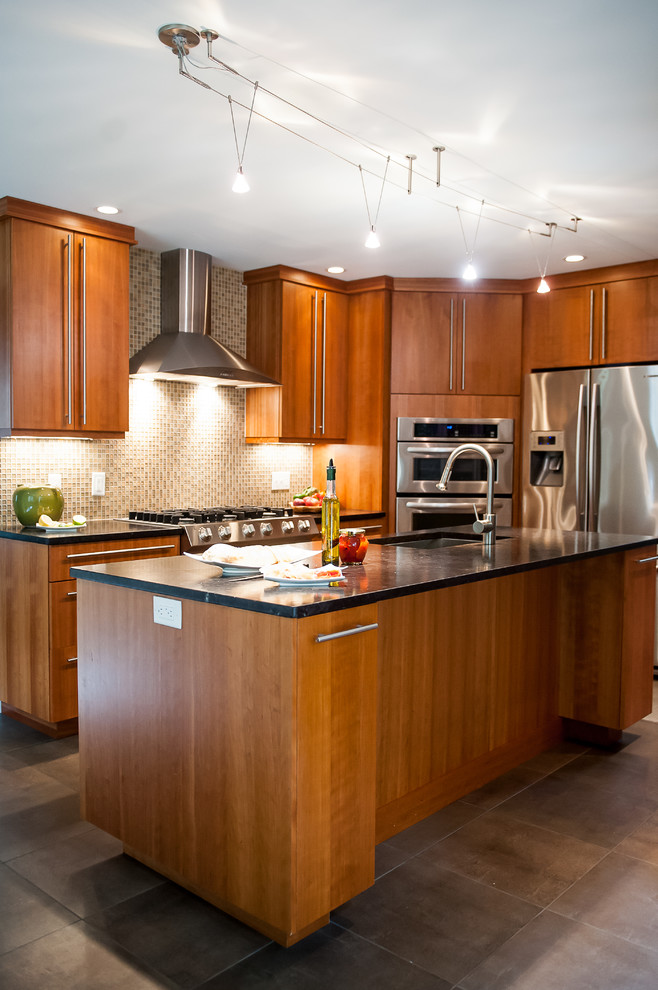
x=490 y=344
x=103 y=293
x=423 y=339
x=331 y=368
x=559 y=328
x=42 y=354
x=626 y=321
x=300 y=332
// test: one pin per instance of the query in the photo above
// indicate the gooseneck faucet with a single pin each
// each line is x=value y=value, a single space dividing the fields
x=487 y=523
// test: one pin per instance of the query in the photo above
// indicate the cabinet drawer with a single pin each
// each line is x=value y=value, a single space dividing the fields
x=62 y=559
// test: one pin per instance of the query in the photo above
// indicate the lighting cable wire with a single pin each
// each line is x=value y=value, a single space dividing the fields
x=396 y=120
x=433 y=198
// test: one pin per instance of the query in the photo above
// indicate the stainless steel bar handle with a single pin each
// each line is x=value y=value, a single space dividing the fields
x=426 y=506
x=594 y=455
x=315 y=360
x=645 y=560
x=324 y=354
x=84 y=331
x=448 y=450
x=452 y=314
x=71 y=594
x=591 y=324
x=346 y=632
x=604 y=301
x=69 y=329
x=581 y=427
x=107 y=553
x=463 y=344
x=72 y=660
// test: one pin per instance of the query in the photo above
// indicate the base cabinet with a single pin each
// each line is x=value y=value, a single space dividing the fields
x=38 y=624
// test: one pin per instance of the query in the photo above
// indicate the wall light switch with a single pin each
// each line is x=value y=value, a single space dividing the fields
x=280 y=481
x=98 y=482
x=55 y=479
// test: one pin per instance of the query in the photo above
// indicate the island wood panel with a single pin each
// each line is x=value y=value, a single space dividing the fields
x=458 y=672
x=638 y=643
x=606 y=618
x=362 y=462
x=24 y=680
x=245 y=741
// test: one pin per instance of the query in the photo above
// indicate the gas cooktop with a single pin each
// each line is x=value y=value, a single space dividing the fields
x=237 y=525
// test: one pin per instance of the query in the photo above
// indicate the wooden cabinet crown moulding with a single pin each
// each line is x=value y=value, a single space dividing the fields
x=64 y=317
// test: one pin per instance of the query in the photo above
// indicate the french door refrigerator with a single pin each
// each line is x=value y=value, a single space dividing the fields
x=590 y=450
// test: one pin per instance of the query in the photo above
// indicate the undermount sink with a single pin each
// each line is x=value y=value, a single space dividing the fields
x=439 y=542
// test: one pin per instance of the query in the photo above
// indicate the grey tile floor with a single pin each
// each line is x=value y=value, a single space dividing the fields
x=545 y=879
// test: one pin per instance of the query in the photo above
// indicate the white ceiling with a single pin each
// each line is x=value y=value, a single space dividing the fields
x=548 y=109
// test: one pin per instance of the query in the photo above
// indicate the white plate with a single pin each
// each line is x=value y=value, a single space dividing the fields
x=299 y=583
x=55 y=529
x=228 y=569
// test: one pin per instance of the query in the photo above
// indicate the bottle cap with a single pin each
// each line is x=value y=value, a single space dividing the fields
x=331 y=470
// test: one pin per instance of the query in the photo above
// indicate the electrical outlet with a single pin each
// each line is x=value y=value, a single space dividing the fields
x=98 y=482
x=55 y=479
x=280 y=481
x=168 y=612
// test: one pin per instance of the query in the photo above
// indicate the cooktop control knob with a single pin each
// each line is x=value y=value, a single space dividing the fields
x=248 y=529
x=205 y=533
x=304 y=524
x=287 y=526
x=224 y=532
x=265 y=529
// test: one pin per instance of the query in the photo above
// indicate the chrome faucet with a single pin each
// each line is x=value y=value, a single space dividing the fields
x=485 y=524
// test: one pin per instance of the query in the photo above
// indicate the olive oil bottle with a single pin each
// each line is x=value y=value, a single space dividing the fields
x=330 y=519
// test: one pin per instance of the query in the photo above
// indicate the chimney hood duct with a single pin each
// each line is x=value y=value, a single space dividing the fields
x=184 y=350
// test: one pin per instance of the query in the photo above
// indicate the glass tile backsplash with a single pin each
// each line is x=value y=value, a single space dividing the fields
x=186 y=443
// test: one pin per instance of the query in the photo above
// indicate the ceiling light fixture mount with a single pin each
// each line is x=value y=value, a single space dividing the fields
x=179 y=37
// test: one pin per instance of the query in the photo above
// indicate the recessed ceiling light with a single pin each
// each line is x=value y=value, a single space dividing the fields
x=574 y=258
x=107 y=209
x=335 y=270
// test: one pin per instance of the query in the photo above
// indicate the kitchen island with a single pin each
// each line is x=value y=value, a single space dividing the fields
x=257 y=754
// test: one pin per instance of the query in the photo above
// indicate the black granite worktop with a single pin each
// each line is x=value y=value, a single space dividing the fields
x=388 y=572
x=95 y=529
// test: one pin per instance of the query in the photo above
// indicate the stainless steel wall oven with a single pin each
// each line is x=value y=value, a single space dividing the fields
x=423 y=447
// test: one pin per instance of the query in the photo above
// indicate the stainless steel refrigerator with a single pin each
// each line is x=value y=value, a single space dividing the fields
x=590 y=450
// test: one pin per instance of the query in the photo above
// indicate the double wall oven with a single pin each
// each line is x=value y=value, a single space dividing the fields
x=423 y=447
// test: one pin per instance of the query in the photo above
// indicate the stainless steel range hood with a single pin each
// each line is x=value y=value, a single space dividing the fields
x=184 y=350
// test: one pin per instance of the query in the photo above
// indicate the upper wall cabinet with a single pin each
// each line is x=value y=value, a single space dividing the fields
x=64 y=305
x=457 y=344
x=296 y=334
x=614 y=322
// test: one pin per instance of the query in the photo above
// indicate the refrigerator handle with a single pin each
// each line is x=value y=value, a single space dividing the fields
x=594 y=457
x=581 y=451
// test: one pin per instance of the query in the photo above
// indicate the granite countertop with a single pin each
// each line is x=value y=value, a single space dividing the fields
x=95 y=529
x=388 y=572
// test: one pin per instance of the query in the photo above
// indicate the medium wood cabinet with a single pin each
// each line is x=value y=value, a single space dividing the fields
x=38 y=623
x=457 y=344
x=613 y=322
x=297 y=334
x=64 y=348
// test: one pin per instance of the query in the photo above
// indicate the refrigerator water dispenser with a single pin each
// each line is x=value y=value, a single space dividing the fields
x=547 y=459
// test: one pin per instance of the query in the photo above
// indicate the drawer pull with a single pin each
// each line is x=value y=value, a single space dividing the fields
x=71 y=594
x=107 y=553
x=346 y=632
x=645 y=560
x=72 y=660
